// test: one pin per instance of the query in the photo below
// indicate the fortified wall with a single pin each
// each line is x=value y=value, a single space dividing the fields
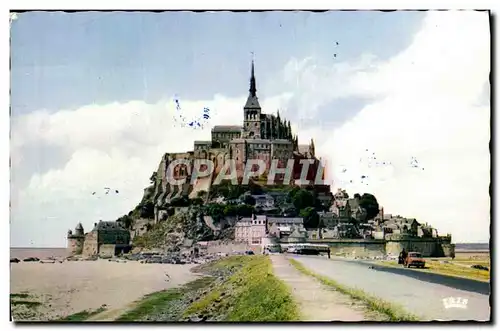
x=429 y=247
x=432 y=247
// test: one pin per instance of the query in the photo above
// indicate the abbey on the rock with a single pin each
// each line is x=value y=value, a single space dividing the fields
x=262 y=136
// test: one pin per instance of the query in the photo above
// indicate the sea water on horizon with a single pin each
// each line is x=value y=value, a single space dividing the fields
x=41 y=253
x=472 y=247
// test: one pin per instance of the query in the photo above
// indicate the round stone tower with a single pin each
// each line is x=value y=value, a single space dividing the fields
x=79 y=230
x=76 y=240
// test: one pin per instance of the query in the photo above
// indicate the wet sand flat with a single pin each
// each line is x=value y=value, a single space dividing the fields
x=70 y=287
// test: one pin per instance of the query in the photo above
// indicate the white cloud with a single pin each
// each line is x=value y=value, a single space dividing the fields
x=114 y=145
x=427 y=108
x=425 y=105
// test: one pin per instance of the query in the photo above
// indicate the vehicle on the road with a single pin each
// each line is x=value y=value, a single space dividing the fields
x=272 y=249
x=307 y=249
x=414 y=259
x=249 y=253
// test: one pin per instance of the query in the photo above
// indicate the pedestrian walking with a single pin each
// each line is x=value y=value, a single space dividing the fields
x=404 y=255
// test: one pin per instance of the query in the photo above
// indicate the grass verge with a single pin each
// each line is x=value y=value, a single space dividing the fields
x=251 y=294
x=154 y=303
x=27 y=303
x=237 y=288
x=453 y=268
x=25 y=307
x=394 y=312
x=81 y=316
x=19 y=295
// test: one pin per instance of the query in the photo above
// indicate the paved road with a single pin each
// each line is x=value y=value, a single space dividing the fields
x=464 y=284
x=418 y=297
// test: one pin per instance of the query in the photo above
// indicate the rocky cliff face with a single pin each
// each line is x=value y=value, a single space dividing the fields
x=165 y=228
x=172 y=233
x=162 y=192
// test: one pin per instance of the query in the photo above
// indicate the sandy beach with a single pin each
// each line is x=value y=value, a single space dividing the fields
x=70 y=287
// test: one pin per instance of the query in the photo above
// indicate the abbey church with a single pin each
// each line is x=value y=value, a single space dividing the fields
x=262 y=136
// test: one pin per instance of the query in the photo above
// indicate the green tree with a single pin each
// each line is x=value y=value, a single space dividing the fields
x=311 y=217
x=215 y=210
x=238 y=210
x=230 y=210
x=292 y=192
x=245 y=210
x=302 y=199
x=182 y=201
x=249 y=200
x=370 y=204
x=126 y=220
x=197 y=201
x=254 y=188
x=147 y=209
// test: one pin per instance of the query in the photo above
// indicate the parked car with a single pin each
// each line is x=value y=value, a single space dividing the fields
x=414 y=259
x=249 y=253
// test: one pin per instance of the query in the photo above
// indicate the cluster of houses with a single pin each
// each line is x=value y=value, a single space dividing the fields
x=334 y=224
x=253 y=230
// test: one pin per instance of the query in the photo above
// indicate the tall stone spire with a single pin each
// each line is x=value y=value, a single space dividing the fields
x=252 y=100
x=253 y=87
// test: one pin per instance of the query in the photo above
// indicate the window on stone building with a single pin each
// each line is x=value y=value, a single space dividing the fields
x=256 y=241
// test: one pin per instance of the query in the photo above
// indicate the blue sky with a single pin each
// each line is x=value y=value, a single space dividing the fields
x=66 y=60
x=91 y=97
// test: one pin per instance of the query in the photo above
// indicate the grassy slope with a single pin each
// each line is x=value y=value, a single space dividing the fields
x=250 y=293
x=155 y=302
x=393 y=312
x=81 y=316
x=25 y=307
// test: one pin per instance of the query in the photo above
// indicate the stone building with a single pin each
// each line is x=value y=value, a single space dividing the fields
x=223 y=134
x=76 y=240
x=262 y=136
x=250 y=230
x=106 y=238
